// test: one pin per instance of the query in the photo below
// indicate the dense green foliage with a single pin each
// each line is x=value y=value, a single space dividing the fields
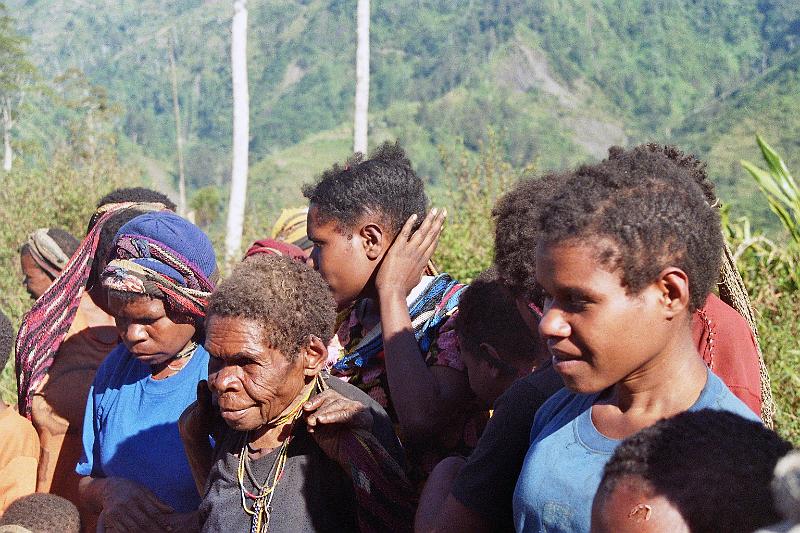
x=560 y=80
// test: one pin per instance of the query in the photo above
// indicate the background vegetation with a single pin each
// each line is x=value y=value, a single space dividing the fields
x=479 y=92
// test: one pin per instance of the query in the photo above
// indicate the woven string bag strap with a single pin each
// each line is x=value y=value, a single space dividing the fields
x=733 y=292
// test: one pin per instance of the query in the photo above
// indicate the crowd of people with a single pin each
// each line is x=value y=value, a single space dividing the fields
x=590 y=380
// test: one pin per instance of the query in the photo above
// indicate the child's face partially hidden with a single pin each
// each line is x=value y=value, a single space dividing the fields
x=629 y=508
x=597 y=334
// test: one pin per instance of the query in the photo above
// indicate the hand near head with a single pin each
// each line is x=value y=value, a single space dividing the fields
x=403 y=264
x=328 y=413
x=128 y=506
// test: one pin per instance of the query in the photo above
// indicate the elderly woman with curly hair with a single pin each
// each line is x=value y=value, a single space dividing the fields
x=136 y=475
x=295 y=450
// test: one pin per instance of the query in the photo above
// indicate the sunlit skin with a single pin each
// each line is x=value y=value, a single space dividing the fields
x=254 y=383
x=346 y=259
x=630 y=508
x=149 y=332
x=36 y=280
x=600 y=336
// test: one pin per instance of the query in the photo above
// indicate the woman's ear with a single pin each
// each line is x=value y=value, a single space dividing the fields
x=493 y=370
x=374 y=240
x=314 y=355
x=675 y=295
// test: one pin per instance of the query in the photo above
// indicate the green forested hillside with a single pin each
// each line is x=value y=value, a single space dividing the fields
x=559 y=80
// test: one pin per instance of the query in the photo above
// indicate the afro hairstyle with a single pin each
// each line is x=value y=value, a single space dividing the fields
x=289 y=299
x=515 y=234
x=714 y=467
x=384 y=185
x=6 y=339
x=487 y=313
x=43 y=513
x=136 y=194
x=642 y=211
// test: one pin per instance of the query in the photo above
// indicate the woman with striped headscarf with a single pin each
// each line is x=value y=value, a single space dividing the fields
x=136 y=475
x=43 y=256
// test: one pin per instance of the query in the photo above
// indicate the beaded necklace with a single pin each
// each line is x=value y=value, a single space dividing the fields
x=261 y=508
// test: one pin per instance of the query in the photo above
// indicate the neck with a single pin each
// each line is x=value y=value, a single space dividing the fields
x=175 y=364
x=668 y=384
x=272 y=434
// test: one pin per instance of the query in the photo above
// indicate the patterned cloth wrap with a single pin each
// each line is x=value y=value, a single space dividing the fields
x=46 y=252
x=44 y=327
x=385 y=497
x=291 y=227
x=163 y=255
x=428 y=312
x=276 y=247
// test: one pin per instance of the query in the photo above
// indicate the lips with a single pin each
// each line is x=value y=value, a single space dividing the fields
x=562 y=361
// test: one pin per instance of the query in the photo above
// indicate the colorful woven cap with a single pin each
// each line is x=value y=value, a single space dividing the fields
x=191 y=247
x=291 y=227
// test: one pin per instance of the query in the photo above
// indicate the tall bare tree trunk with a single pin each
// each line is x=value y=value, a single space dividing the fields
x=8 y=123
x=178 y=134
x=362 y=78
x=241 y=110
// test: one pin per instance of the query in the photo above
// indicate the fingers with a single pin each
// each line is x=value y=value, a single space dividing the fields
x=330 y=407
x=408 y=227
x=204 y=396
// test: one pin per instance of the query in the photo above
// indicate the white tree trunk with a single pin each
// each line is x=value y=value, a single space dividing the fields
x=178 y=134
x=362 y=78
x=241 y=110
x=8 y=154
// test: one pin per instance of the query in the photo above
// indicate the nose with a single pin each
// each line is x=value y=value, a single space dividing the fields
x=553 y=325
x=132 y=333
x=224 y=379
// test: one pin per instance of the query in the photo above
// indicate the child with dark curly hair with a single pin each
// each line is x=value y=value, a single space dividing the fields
x=372 y=242
x=41 y=513
x=697 y=472
x=626 y=251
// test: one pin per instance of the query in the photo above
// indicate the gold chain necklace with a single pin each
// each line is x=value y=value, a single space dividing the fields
x=261 y=509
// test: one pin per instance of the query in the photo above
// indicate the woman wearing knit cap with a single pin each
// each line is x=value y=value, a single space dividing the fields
x=43 y=256
x=136 y=473
x=67 y=334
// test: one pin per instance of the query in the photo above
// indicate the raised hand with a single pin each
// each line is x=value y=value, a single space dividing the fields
x=403 y=264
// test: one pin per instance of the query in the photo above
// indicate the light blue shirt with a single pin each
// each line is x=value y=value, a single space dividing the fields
x=564 y=464
x=130 y=428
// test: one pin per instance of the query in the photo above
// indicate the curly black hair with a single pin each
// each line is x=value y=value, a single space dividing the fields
x=643 y=211
x=43 y=513
x=714 y=467
x=6 y=339
x=695 y=167
x=290 y=299
x=487 y=313
x=136 y=194
x=385 y=185
x=515 y=234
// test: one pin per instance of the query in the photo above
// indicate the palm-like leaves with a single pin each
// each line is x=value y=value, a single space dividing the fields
x=780 y=188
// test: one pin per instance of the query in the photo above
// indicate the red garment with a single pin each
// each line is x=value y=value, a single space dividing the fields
x=276 y=247
x=725 y=341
